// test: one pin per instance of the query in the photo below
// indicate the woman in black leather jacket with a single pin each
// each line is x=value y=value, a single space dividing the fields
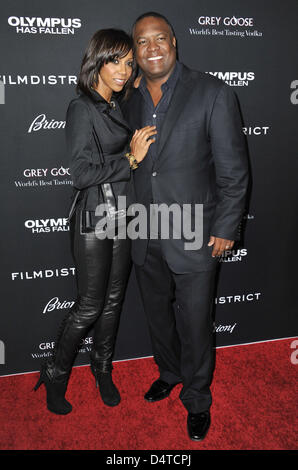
x=102 y=150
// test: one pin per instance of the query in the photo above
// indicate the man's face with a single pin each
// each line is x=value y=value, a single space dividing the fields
x=155 y=47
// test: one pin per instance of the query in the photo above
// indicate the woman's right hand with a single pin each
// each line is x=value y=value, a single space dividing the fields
x=141 y=141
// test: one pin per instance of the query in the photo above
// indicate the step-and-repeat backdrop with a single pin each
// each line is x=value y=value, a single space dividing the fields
x=252 y=46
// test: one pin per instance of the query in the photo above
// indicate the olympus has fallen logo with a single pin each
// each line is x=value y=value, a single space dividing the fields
x=37 y=25
x=38 y=226
x=235 y=78
x=235 y=255
x=34 y=178
x=225 y=26
x=41 y=122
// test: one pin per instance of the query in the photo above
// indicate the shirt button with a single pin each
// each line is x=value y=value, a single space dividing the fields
x=154 y=173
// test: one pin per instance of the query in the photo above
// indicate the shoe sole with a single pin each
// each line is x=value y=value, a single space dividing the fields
x=111 y=404
x=57 y=413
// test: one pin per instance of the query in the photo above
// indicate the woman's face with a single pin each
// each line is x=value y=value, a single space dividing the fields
x=114 y=75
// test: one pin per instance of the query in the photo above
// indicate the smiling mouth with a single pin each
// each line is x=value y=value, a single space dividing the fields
x=120 y=81
x=155 y=58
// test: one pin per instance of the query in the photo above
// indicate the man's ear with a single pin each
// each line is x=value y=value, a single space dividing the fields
x=174 y=41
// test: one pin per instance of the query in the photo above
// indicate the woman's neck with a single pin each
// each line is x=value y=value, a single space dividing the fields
x=106 y=95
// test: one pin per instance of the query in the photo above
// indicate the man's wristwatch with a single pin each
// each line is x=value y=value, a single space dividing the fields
x=132 y=161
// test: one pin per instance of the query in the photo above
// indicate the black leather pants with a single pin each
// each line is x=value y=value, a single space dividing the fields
x=102 y=269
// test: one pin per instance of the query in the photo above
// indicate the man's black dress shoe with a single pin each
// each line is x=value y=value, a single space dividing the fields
x=198 y=425
x=158 y=391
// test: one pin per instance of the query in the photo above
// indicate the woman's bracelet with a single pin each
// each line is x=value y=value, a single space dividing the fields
x=132 y=161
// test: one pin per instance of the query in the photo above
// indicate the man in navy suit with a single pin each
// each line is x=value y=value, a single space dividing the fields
x=198 y=157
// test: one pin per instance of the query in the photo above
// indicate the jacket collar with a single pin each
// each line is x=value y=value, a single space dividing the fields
x=100 y=103
x=111 y=110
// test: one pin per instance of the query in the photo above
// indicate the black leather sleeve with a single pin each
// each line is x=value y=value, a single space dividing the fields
x=84 y=171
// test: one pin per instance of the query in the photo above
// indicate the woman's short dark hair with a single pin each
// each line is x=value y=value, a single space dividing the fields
x=104 y=46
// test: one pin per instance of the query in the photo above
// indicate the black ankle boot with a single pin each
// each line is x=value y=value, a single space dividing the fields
x=56 y=388
x=103 y=379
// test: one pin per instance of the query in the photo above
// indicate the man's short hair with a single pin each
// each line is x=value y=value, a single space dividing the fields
x=155 y=15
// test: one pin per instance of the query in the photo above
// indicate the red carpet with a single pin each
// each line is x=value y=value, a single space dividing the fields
x=254 y=408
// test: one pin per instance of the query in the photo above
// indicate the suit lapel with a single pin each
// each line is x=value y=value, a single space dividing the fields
x=178 y=101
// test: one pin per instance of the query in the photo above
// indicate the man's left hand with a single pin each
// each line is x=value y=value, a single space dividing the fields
x=220 y=245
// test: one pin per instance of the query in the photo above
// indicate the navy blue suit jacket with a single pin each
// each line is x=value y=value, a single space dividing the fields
x=202 y=159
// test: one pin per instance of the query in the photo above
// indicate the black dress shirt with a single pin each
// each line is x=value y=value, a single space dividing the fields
x=154 y=115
